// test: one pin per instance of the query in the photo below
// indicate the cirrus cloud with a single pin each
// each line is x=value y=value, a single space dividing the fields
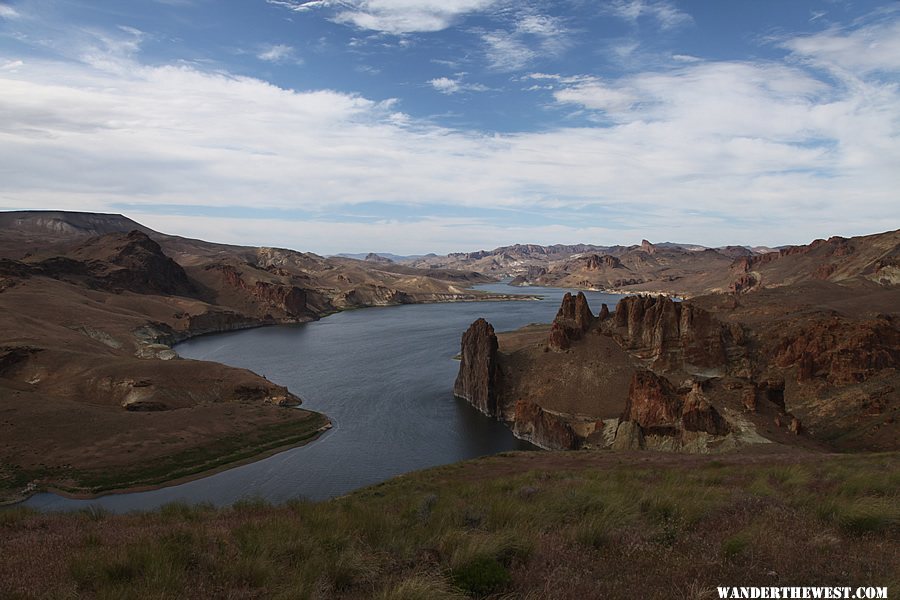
x=392 y=16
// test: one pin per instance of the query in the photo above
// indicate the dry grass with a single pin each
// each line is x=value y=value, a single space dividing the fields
x=667 y=530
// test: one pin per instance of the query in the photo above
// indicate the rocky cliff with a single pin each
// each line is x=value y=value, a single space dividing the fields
x=572 y=320
x=686 y=270
x=477 y=378
x=676 y=335
x=657 y=415
x=543 y=428
x=285 y=300
x=813 y=364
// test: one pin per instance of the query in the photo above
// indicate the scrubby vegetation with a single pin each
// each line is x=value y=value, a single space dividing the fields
x=532 y=525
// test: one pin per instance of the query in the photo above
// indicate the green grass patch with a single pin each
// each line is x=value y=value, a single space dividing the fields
x=221 y=452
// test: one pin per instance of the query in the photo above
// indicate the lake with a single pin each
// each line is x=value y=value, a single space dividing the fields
x=384 y=376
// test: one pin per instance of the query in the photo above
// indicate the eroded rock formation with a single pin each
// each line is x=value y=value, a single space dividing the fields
x=288 y=299
x=543 y=428
x=656 y=407
x=477 y=378
x=840 y=350
x=652 y=401
x=672 y=334
x=572 y=320
x=596 y=262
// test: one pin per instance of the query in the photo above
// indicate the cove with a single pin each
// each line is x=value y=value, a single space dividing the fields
x=384 y=376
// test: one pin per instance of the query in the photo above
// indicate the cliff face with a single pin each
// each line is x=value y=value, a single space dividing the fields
x=477 y=378
x=658 y=416
x=287 y=299
x=698 y=414
x=839 y=350
x=595 y=262
x=547 y=430
x=674 y=335
x=650 y=410
x=652 y=401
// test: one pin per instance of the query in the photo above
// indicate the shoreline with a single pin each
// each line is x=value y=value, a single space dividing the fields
x=184 y=336
x=134 y=489
x=615 y=291
x=70 y=495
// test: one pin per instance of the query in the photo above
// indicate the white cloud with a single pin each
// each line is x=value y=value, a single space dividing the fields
x=278 y=53
x=8 y=12
x=12 y=65
x=532 y=36
x=506 y=51
x=446 y=85
x=540 y=25
x=393 y=16
x=865 y=50
x=593 y=94
x=666 y=15
x=712 y=152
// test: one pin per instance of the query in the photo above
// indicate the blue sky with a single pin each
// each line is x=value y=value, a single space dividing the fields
x=412 y=126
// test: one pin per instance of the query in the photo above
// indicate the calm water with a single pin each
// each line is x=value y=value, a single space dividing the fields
x=383 y=375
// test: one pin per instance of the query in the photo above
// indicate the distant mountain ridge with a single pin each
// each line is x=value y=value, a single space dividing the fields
x=677 y=268
x=69 y=223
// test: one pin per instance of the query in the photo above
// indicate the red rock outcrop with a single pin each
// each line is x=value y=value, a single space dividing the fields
x=652 y=401
x=583 y=315
x=572 y=320
x=286 y=298
x=748 y=398
x=744 y=283
x=543 y=428
x=595 y=262
x=566 y=309
x=699 y=415
x=842 y=350
x=604 y=313
x=559 y=337
x=670 y=333
x=656 y=406
x=477 y=378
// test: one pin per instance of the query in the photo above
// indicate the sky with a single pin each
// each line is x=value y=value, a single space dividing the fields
x=415 y=126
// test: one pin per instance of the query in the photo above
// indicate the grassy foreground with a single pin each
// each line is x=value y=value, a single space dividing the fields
x=226 y=451
x=524 y=525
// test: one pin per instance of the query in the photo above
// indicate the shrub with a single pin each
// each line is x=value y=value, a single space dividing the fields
x=481 y=576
